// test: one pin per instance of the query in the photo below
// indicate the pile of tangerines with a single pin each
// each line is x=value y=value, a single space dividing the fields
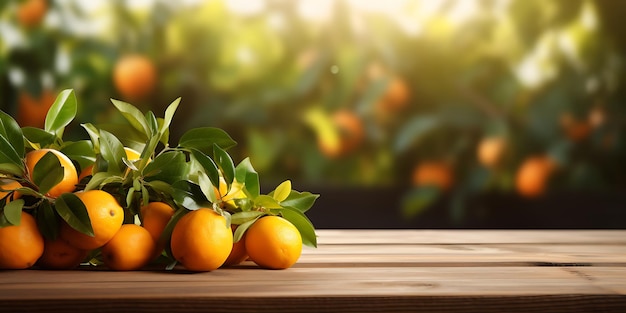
x=127 y=199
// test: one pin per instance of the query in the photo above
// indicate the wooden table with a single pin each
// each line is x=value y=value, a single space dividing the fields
x=364 y=271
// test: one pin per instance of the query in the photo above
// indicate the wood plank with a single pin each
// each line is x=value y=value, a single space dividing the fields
x=412 y=236
x=303 y=282
x=309 y=290
x=363 y=271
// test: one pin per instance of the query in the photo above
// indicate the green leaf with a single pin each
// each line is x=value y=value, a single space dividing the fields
x=415 y=130
x=210 y=168
x=80 y=151
x=160 y=187
x=61 y=113
x=94 y=134
x=112 y=152
x=152 y=123
x=207 y=187
x=242 y=217
x=242 y=228
x=301 y=201
x=203 y=139
x=38 y=136
x=246 y=174
x=13 y=211
x=128 y=135
x=10 y=130
x=47 y=221
x=73 y=211
x=417 y=200
x=266 y=202
x=225 y=164
x=168 y=167
x=303 y=224
x=97 y=180
x=12 y=169
x=189 y=195
x=47 y=173
x=282 y=191
x=133 y=116
x=169 y=115
x=8 y=155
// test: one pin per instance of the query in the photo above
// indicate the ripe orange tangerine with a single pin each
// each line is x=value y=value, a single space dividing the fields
x=58 y=254
x=106 y=217
x=32 y=110
x=30 y=13
x=273 y=242
x=134 y=76
x=130 y=249
x=490 y=151
x=201 y=240
x=70 y=177
x=351 y=134
x=433 y=173
x=533 y=175
x=238 y=254
x=8 y=185
x=20 y=245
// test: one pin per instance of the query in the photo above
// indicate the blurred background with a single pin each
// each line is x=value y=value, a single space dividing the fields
x=467 y=113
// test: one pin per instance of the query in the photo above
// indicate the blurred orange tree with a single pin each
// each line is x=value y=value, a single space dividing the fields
x=443 y=98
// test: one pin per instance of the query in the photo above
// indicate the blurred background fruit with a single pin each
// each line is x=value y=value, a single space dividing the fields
x=345 y=95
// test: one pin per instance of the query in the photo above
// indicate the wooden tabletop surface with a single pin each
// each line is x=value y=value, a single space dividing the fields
x=363 y=271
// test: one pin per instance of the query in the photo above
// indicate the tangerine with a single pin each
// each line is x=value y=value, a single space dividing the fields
x=106 y=217
x=20 y=245
x=490 y=151
x=70 y=177
x=351 y=134
x=201 y=240
x=8 y=185
x=134 y=76
x=433 y=173
x=154 y=218
x=130 y=249
x=32 y=111
x=533 y=175
x=273 y=242
x=238 y=254
x=58 y=254
x=30 y=13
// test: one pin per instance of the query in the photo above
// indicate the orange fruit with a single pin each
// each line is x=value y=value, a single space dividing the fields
x=396 y=96
x=131 y=155
x=533 y=175
x=30 y=13
x=130 y=249
x=58 y=254
x=106 y=217
x=20 y=245
x=433 y=173
x=490 y=151
x=32 y=111
x=8 y=185
x=351 y=134
x=201 y=240
x=70 y=177
x=575 y=129
x=238 y=254
x=134 y=76
x=154 y=218
x=273 y=242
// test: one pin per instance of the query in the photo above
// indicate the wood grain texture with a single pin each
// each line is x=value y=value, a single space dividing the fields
x=362 y=271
